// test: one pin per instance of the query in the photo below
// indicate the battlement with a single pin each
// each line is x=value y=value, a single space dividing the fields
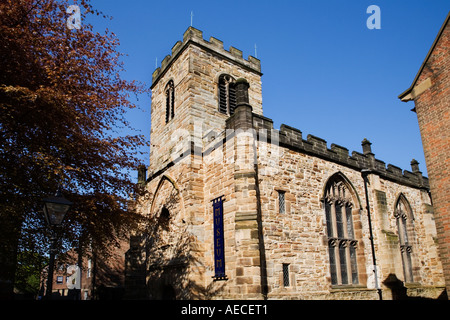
x=292 y=138
x=215 y=46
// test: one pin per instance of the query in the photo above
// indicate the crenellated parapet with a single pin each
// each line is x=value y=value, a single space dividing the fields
x=292 y=138
x=215 y=46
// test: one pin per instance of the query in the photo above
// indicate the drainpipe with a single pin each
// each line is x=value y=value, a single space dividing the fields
x=364 y=174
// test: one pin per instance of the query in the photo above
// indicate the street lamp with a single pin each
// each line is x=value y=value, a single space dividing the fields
x=55 y=209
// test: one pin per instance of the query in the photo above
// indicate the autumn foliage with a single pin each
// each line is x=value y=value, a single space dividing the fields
x=63 y=107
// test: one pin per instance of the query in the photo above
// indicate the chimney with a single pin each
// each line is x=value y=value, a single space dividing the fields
x=415 y=166
x=366 y=145
x=242 y=117
x=142 y=174
x=415 y=169
x=242 y=86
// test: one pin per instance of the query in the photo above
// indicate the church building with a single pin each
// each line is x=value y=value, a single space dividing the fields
x=236 y=209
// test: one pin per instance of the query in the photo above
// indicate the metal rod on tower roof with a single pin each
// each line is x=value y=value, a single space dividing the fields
x=192 y=17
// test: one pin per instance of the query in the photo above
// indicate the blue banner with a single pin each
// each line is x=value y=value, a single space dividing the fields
x=219 y=243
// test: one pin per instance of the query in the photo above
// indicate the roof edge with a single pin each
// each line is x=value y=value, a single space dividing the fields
x=403 y=95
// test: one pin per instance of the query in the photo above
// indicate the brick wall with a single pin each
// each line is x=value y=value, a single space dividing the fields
x=432 y=105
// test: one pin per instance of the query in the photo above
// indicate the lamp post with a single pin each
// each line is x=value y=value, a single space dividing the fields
x=55 y=209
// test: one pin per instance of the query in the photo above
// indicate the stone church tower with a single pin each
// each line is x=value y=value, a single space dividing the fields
x=237 y=209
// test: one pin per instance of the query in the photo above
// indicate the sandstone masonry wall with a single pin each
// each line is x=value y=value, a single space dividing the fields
x=202 y=154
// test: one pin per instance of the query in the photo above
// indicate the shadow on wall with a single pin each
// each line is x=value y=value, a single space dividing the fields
x=400 y=292
x=169 y=270
x=168 y=254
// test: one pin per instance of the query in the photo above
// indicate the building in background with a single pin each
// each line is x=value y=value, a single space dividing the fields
x=88 y=277
x=430 y=92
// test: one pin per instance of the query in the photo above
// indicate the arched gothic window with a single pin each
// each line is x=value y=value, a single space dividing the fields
x=342 y=245
x=170 y=101
x=403 y=216
x=227 y=94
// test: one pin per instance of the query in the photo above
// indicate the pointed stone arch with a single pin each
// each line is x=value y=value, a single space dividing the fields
x=169 y=91
x=168 y=248
x=404 y=217
x=226 y=94
x=161 y=184
x=344 y=181
x=342 y=208
x=403 y=201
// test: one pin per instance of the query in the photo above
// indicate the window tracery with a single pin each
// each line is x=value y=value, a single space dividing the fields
x=342 y=245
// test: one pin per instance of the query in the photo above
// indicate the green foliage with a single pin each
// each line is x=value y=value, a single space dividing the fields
x=28 y=273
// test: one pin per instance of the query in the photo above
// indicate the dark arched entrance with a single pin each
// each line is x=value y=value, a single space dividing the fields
x=168 y=293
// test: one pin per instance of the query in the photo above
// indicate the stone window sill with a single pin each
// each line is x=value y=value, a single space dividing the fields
x=350 y=287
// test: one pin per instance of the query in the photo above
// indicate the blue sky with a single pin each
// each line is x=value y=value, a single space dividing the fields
x=324 y=71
